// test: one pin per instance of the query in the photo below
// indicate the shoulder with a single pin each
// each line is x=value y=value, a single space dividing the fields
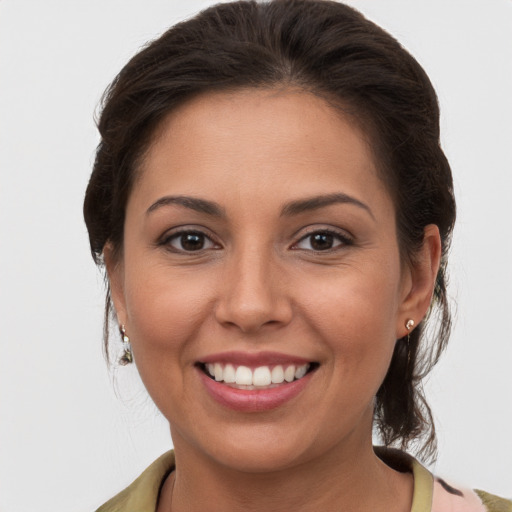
x=433 y=494
x=142 y=494
x=494 y=503
x=450 y=498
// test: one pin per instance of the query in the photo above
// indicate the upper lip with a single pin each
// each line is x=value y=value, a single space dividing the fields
x=253 y=359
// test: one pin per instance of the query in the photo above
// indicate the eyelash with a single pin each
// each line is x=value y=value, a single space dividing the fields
x=168 y=238
x=166 y=241
x=343 y=238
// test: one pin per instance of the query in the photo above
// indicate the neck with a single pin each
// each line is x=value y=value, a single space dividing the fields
x=355 y=480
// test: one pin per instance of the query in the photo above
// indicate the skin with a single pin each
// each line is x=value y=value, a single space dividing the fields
x=259 y=284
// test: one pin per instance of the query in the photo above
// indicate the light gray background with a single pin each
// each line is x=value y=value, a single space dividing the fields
x=67 y=442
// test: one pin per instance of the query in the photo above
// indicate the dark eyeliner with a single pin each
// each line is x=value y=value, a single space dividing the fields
x=165 y=240
x=342 y=237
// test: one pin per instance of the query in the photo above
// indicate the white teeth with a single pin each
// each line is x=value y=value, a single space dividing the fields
x=229 y=374
x=277 y=374
x=301 y=371
x=218 y=372
x=289 y=373
x=261 y=376
x=243 y=375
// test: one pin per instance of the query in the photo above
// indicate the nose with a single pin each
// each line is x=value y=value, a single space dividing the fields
x=253 y=294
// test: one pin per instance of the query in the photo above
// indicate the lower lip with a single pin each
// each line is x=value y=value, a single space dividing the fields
x=254 y=400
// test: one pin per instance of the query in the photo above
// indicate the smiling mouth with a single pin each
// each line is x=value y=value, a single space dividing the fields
x=261 y=377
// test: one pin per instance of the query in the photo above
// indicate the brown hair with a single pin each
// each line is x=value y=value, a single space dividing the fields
x=328 y=49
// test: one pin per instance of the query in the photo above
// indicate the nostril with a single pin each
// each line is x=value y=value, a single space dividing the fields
x=251 y=301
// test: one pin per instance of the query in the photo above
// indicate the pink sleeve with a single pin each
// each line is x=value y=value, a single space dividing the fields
x=454 y=499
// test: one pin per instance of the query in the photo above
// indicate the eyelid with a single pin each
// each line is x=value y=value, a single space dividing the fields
x=342 y=235
x=164 y=240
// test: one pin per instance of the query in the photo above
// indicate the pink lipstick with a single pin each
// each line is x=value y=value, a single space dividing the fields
x=252 y=382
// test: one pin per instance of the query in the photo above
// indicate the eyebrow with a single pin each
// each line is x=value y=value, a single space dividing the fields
x=317 y=202
x=193 y=203
x=289 y=209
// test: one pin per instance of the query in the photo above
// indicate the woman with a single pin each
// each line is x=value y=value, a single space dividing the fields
x=274 y=211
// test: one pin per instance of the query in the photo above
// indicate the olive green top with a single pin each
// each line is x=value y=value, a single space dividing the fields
x=430 y=494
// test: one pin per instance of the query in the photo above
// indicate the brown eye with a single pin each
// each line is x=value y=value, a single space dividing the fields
x=322 y=241
x=190 y=241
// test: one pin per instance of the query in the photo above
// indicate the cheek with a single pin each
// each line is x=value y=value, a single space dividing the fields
x=165 y=308
x=354 y=314
x=166 y=311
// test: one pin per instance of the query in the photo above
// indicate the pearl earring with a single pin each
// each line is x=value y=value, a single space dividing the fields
x=409 y=324
x=127 y=356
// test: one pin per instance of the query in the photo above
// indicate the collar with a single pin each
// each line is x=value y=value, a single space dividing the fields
x=142 y=494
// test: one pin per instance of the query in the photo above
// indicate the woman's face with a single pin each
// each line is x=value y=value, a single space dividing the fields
x=259 y=242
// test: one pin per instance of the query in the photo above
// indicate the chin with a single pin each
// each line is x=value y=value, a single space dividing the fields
x=250 y=449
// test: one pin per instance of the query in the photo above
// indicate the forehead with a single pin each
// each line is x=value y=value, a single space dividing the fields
x=241 y=142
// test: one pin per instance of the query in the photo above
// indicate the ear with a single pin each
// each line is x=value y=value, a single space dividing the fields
x=115 y=274
x=419 y=279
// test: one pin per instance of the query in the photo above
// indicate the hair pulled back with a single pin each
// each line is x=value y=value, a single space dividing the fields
x=330 y=50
